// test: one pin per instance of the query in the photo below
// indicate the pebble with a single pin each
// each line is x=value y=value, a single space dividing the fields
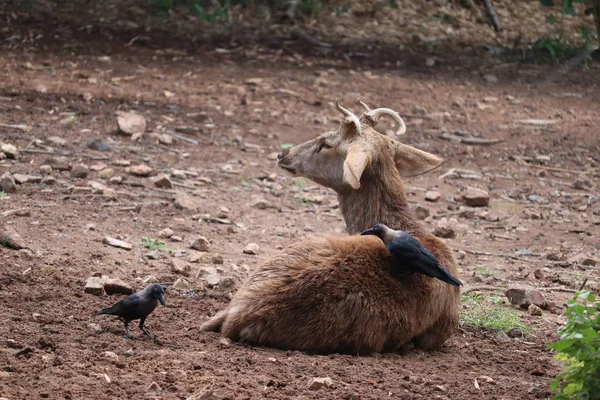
x=95 y=328
x=57 y=141
x=49 y=180
x=98 y=145
x=523 y=297
x=421 y=212
x=45 y=169
x=10 y=151
x=444 y=229
x=106 y=173
x=140 y=170
x=180 y=267
x=153 y=387
x=94 y=285
x=162 y=181
x=117 y=286
x=79 y=171
x=153 y=255
x=165 y=139
x=432 y=196
x=217 y=259
x=117 y=243
x=199 y=243
x=181 y=283
x=318 y=383
x=538 y=274
x=252 y=248
x=131 y=123
x=165 y=233
x=475 y=197
x=534 y=310
x=7 y=183
x=260 y=204
x=20 y=178
x=185 y=202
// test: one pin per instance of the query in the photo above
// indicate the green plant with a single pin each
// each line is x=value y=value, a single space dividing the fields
x=3 y=195
x=484 y=271
x=153 y=244
x=300 y=183
x=287 y=146
x=579 y=350
x=487 y=312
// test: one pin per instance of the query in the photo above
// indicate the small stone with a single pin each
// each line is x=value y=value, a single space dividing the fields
x=153 y=255
x=165 y=233
x=227 y=283
x=97 y=187
x=87 y=97
x=223 y=212
x=57 y=141
x=444 y=229
x=150 y=279
x=95 y=328
x=466 y=213
x=176 y=238
x=7 y=183
x=153 y=387
x=181 y=283
x=116 y=286
x=162 y=181
x=98 y=145
x=432 y=196
x=94 y=285
x=430 y=62
x=59 y=163
x=20 y=178
x=212 y=279
x=252 y=248
x=180 y=267
x=131 y=123
x=318 y=383
x=225 y=341
x=185 y=202
x=45 y=169
x=475 y=197
x=515 y=333
x=79 y=171
x=199 y=243
x=165 y=139
x=10 y=151
x=110 y=354
x=534 y=310
x=461 y=254
x=523 y=297
x=13 y=344
x=10 y=238
x=503 y=337
x=490 y=78
x=115 y=180
x=49 y=180
x=260 y=204
x=128 y=353
x=217 y=259
x=106 y=173
x=140 y=170
x=117 y=243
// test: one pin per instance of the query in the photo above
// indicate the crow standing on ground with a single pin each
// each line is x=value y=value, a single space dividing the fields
x=410 y=255
x=137 y=306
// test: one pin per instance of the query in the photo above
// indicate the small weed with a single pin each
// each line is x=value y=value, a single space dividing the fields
x=487 y=312
x=300 y=183
x=484 y=271
x=153 y=244
x=287 y=146
x=246 y=183
x=4 y=195
x=306 y=201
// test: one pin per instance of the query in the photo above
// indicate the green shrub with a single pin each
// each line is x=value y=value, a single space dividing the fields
x=579 y=350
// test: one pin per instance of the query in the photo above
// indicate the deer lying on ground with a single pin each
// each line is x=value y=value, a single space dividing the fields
x=336 y=294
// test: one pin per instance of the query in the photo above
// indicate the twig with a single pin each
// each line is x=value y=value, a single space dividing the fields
x=583 y=284
x=557 y=289
x=8 y=213
x=471 y=140
x=299 y=34
x=62 y=153
x=185 y=139
x=21 y=127
x=492 y=12
x=478 y=288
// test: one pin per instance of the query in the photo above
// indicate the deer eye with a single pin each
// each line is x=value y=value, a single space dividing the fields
x=324 y=145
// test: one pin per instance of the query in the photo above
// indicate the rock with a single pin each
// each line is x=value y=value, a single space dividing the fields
x=475 y=197
x=534 y=310
x=95 y=328
x=165 y=233
x=421 y=212
x=110 y=354
x=523 y=297
x=181 y=284
x=532 y=214
x=7 y=183
x=10 y=238
x=461 y=254
x=590 y=262
x=79 y=171
x=10 y=151
x=140 y=170
x=150 y=279
x=153 y=255
x=117 y=243
x=503 y=337
x=582 y=259
x=49 y=180
x=115 y=180
x=57 y=141
x=260 y=204
x=165 y=139
x=131 y=123
x=225 y=341
x=490 y=78
x=98 y=145
x=515 y=333
x=318 y=383
x=117 y=286
x=106 y=173
x=466 y=213
x=538 y=274
x=45 y=169
x=94 y=285
x=128 y=353
x=20 y=178
x=199 y=243
x=212 y=279
x=432 y=196
x=162 y=181
x=153 y=387
x=217 y=259
x=227 y=283
x=97 y=187
x=185 y=202
x=444 y=229
x=176 y=238
x=180 y=267
x=582 y=184
x=59 y=163
x=252 y=248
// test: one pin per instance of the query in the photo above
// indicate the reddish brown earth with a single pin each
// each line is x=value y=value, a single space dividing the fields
x=243 y=106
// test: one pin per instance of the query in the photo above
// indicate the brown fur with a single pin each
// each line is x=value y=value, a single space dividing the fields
x=336 y=294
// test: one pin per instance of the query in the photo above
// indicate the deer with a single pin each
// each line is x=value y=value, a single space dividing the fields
x=337 y=294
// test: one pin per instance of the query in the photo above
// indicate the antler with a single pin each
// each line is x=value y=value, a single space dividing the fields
x=371 y=117
x=349 y=119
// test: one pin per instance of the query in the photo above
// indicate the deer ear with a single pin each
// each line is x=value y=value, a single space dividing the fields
x=354 y=165
x=412 y=162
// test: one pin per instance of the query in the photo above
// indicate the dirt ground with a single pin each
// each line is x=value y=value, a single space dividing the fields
x=239 y=103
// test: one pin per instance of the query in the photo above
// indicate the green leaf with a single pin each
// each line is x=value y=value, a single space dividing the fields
x=551 y=19
x=547 y=3
x=286 y=146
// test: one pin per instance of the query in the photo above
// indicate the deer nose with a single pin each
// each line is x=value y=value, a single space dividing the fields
x=282 y=154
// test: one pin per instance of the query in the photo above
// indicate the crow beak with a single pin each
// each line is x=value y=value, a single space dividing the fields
x=161 y=298
x=368 y=232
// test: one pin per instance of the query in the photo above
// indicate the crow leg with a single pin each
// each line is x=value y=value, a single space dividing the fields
x=127 y=335
x=142 y=327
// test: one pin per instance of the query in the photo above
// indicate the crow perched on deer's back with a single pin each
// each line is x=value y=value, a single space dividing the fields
x=137 y=306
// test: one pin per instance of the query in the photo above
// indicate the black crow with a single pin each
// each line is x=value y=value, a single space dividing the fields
x=137 y=306
x=410 y=255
